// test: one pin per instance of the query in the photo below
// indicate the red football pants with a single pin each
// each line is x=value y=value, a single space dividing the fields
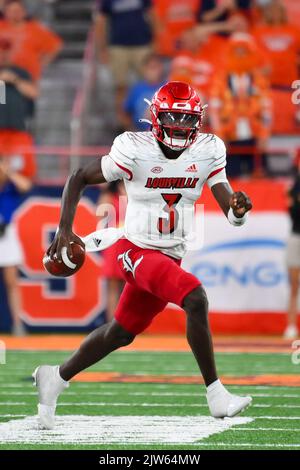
x=152 y=280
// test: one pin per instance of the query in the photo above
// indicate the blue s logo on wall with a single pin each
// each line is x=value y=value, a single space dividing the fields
x=261 y=269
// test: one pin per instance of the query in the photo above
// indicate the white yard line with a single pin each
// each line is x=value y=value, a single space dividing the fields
x=243 y=444
x=13 y=403
x=277 y=417
x=262 y=387
x=275 y=406
x=12 y=416
x=82 y=429
x=15 y=385
x=267 y=429
x=25 y=394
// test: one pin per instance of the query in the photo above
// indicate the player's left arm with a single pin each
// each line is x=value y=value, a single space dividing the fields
x=235 y=205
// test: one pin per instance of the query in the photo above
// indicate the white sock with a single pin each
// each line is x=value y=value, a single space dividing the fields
x=216 y=387
x=64 y=382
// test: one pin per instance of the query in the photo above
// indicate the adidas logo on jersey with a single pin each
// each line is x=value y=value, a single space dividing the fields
x=192 y=168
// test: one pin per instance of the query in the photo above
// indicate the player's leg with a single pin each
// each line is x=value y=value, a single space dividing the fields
x=199 y=338
x=134 y=313
x=52 y=380
x=164 y=278
x=96 y=346
x=221 y=403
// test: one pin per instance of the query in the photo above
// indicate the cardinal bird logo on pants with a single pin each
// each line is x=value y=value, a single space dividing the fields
x=128 y=265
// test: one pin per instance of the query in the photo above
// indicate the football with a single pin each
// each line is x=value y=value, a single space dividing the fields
x=68 y=266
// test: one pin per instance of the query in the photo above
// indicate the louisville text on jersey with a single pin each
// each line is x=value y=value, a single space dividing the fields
x=172 y=183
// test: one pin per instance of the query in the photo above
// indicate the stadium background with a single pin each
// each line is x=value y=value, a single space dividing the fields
x=243 y=270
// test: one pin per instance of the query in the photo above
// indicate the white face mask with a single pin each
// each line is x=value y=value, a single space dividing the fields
x=180 y=143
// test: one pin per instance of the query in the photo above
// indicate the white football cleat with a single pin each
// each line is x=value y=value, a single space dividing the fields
x=223 y=404
x=50 y=385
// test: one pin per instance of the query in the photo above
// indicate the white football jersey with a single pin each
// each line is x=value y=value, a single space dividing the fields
x=162 y=192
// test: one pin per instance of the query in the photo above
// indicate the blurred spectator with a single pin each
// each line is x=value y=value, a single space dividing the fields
x=20 y=90
x=16 y=172
x=17 y=168
x=221 y=10
x=34 y=46
x=135 y=107
x=124 y=38
x=114 y=197
x=240 y=105
x=281 y=42
x=172 y=19
x=293 y=258
x=234 y=16
x=198 y=60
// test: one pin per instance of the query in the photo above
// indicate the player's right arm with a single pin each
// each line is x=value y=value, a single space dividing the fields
x=76 y=183
x=118 y=164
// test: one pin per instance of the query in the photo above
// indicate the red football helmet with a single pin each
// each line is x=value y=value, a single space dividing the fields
x=176 y=115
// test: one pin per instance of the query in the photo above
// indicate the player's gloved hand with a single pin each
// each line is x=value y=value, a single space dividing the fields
x=240 y=203
x=63 y=239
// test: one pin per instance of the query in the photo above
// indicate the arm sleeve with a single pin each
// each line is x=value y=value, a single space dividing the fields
x=119 y=163
x=218 y=177
x=217 y=173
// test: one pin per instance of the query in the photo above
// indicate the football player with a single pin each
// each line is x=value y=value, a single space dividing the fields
x=164 y=171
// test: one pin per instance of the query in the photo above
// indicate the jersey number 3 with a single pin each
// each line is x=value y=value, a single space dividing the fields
x=169 y=224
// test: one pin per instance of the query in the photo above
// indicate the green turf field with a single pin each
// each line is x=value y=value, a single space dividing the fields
x=122 y=415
